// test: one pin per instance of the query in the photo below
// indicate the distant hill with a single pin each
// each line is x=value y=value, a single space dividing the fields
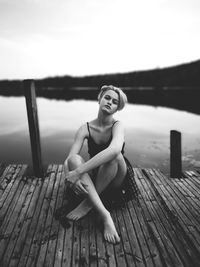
x=181 y=75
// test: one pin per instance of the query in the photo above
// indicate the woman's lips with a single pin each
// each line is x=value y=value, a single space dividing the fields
x=107 y=106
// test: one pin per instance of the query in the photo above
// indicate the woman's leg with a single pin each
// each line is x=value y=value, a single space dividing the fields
x=92 y=200
x=111 y=173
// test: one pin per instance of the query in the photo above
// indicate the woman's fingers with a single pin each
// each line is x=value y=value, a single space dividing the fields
x=84 y=188
x=79 y=187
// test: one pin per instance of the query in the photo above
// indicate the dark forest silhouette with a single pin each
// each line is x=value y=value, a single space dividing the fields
x=177 y=86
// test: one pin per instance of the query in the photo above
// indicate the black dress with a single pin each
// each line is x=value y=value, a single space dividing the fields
x=128 y=190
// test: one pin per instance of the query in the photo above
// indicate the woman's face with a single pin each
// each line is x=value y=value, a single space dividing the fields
x=109 y=102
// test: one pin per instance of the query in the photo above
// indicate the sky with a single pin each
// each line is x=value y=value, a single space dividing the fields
x=43 y=38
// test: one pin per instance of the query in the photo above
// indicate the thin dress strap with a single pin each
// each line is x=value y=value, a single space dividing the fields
x=88 y=129
x=114 y=123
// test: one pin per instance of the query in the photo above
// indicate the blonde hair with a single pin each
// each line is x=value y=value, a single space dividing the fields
x=122 y=97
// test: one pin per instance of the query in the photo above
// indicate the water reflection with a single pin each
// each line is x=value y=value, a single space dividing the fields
x=147 y=131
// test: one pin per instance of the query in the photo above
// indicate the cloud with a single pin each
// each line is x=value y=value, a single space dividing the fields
x=195 y=163
x=191 y=161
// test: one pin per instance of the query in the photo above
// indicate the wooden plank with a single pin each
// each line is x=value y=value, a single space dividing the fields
x=101 y=259
x=195 y=180
x=8 y=179
x=12 y=250
x=155 y=227
x=45 y=258
x=110 y=258
x=6 y=248
x=159 y=227
x=118 y=248
x=21 y=242
x=40 y=226
x=76 y=244
x=34 y=216
x=188 y=212
x=183 y=202
x=130 y=242
x=53 y=238
x=11 y=198
x=59 y=247
x=179 y=239
x=61 y=231
x=68 y=246
x=192 y=187
x=136 y=212
x=84 y=242
x=186 y=188
x=139 y=235
x=92 y=241
x=2 y=168
x=170 y=201
x=3 y=173
x=166 y=223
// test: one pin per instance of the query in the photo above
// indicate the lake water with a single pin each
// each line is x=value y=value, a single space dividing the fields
x=147 y=131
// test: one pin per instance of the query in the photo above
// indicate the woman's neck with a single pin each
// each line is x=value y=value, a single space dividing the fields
x=104 y=120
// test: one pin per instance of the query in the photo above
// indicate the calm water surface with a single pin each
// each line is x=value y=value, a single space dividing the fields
x=147 y=131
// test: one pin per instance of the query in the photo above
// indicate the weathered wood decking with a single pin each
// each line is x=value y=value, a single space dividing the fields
x=161 y=229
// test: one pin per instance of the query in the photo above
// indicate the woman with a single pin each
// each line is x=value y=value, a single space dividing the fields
x=106 y=166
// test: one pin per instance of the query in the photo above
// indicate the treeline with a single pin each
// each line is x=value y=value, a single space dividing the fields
x=182 y=76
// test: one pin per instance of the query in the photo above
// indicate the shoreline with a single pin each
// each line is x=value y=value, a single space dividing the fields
x=180 y=98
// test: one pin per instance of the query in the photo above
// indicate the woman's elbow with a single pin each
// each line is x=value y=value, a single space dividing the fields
x=115 y=151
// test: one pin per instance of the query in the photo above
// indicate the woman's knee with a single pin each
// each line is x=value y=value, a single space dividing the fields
x=112 y=164
x=117 y=164
x=115 y=161
x=74 y=161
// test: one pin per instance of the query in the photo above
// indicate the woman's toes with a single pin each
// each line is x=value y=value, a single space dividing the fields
x=117 y=239
x=112 y=240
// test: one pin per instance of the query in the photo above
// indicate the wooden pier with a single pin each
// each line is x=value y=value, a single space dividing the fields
x=161 y=228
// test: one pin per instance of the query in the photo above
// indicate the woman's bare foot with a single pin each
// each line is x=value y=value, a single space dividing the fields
x=80 y=211
x=110 y=232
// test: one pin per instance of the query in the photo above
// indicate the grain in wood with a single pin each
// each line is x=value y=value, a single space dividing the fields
x=93 y=256
x=40 y=232
x=30 y=240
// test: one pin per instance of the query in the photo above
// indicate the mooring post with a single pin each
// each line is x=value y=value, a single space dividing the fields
x=175 y=154
x=31 y=106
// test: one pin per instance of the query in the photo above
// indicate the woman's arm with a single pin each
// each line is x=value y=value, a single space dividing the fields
x=80 y=136
x=73 y=180
x=108 y=154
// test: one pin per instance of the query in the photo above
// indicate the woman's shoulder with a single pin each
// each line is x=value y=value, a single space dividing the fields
x=93 y=125
x=118 y=126
x=118 y=123
x=83 y=130
x=92 y=122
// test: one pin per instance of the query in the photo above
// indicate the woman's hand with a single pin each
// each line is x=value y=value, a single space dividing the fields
x=79 y=187
x=72 y=177
x=74 y=182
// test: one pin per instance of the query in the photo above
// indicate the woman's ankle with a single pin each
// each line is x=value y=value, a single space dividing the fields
x=104 y=216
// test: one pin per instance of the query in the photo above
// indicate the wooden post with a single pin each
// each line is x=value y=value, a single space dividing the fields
x=175 y=154
x=31 y=106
